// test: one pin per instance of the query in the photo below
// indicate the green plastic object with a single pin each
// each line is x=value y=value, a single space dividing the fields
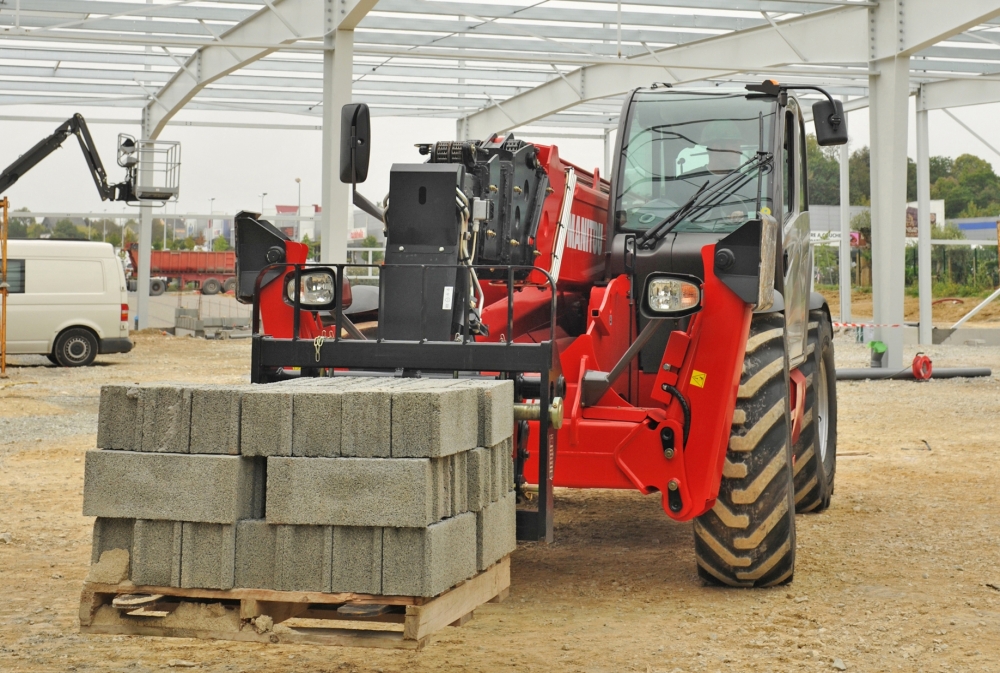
x=878 y=346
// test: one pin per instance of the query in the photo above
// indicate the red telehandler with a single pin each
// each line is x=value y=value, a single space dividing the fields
x=659 y=327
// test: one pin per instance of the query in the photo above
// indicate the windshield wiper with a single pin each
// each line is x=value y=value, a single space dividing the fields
x=706 y=198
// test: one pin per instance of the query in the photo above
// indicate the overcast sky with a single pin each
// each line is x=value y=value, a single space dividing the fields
x=235 y=166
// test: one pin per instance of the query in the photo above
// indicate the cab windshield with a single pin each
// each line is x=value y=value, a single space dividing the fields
x=675 y=142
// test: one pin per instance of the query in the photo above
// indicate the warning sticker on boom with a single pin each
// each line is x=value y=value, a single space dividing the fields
x=698 y=378
x=449 y=291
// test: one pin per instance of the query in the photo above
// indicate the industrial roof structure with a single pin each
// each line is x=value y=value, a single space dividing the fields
x=496 y=66
x=444 y=58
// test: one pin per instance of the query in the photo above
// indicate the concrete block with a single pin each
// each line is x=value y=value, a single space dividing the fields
x=256 y=543
x=357 y=559
x=496 y=409
x=427 y=561
x=110 y=533
x=316 y=421
x=478 y=490
x=366 y=418
x=266 y=422
x=302 y=558
x=430 y=420
x=501 y=469
x=441 y=487
x=172 y=486
x=215 y=419
x=208 y=553
x=156 y=557
x=496 y=531
x=165 y=418
x=458 y=464
x=119 y=421
x=350 y=491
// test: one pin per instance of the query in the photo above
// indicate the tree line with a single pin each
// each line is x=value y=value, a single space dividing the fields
x=967 y=183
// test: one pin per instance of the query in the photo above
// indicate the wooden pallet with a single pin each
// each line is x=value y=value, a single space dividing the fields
x=402 y=622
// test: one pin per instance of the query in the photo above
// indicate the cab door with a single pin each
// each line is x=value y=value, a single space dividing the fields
x=795 y=233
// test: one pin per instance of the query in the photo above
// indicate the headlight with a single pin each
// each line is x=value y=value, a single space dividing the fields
x=667 y=295
x=316 y=288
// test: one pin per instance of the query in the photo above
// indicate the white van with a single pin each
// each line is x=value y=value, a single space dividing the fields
x=66 y=300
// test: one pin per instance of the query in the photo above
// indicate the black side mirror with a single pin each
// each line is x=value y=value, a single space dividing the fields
x=830 y=122
x=355 y=142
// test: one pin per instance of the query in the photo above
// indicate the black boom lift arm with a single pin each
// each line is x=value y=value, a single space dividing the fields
x=75 y=125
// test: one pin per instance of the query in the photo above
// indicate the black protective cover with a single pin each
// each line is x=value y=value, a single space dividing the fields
x=743 y=277
x=423 y=228
x=253 y=239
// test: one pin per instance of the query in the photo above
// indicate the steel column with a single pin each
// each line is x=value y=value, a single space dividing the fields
x=845 y=232
x=924 y=223
x=337 y=77
x=888 y=114
x=145 y=252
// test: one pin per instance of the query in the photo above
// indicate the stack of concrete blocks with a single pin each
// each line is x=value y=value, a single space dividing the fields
x=380 y=486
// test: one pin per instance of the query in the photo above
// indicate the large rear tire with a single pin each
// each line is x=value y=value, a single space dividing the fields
x=748 y=538
x=816 y=451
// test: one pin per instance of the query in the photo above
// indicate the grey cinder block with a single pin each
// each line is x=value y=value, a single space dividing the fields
x=350 y=491
x=165 y=418
x=478 y=490
x=427 y=561
x=256 y=544
x=208 y=553
x=501 y=469
x=119 y=421
x=357 y=560
x=266 y=422
x=316 y=421
x=172 y=486
x=215 y=419
x=430 y=420
x=110 y=533
x=440 y=488
x=458 y=464
x=496 y=409
x=302 y=559
x=365 y=417
x=496 y=531
x=156 y=559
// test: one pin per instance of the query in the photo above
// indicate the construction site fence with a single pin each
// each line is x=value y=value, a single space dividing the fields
x=964 y=267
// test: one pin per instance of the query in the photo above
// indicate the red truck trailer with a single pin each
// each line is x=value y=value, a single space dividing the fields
x=214 y=272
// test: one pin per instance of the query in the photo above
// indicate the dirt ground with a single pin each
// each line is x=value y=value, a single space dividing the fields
x=946 y=311
x=894 y=577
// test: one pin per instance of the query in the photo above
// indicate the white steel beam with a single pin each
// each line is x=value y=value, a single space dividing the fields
x=924 y=224
x=889 y=93
x=921 y=23
x=845 y=232
x=284 y=22
x=834 y=36
x=337 y=85
x=959 y=93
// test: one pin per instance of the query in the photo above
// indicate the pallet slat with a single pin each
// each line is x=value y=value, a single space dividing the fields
x=233 y=613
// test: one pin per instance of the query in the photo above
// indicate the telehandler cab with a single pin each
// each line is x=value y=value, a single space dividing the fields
x=659 y=327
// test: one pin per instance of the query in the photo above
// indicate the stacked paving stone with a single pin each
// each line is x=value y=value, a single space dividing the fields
x=371 y=485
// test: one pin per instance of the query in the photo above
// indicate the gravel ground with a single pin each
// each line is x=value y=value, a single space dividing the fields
x=900 y=574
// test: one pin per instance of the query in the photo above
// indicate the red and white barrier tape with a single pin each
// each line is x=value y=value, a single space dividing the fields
x=862 y=324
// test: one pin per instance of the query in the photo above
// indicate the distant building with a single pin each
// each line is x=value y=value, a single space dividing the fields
x=978 y=228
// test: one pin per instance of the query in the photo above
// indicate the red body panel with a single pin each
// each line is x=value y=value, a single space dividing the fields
x=616 y=443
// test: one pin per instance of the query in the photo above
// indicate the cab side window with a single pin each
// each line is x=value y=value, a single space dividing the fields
x=15 y=276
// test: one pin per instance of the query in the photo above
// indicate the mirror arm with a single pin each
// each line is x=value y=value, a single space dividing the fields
x=367 y=206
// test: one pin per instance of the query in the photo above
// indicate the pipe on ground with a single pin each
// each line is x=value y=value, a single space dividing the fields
x=875 y=374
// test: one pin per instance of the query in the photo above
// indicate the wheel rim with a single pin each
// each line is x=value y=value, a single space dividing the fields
x=822 y=408
x=76 y=349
